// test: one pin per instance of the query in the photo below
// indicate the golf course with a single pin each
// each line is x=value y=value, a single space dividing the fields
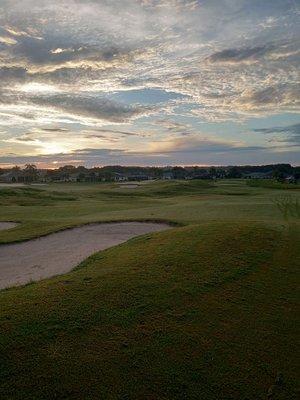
x=201 y=303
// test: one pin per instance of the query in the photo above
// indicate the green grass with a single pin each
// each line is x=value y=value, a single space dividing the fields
x=58 y=206
x=206 y=311
x=30 y=196
x=272 y=184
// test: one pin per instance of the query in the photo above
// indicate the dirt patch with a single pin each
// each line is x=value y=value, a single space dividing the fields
x=60 y=252
x=7 y=225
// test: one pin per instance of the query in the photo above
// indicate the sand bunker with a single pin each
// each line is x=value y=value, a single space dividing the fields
x=7 y=225
x=60 y=252
x=17 y=185
x=129 y=186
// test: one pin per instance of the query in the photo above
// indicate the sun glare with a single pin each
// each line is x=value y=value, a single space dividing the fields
x=53 y=148
x=36 y=87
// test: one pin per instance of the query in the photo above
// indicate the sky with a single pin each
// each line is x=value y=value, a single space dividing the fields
x=149 y=82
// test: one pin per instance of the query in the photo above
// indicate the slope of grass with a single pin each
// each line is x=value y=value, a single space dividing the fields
x=28 y=196
x=272 y=184
x=204 y=312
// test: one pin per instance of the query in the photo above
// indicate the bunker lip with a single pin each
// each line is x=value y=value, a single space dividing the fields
x=60 y=252
x=4 y=225
x=170 y=223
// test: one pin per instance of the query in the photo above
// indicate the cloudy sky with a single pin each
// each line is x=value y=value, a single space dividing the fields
x=149 y=82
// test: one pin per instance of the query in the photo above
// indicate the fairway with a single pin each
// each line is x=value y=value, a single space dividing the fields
x=206 y=309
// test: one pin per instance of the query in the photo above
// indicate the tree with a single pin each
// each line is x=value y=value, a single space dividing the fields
x=179 y=172
x=30 y=172
x=234 y=172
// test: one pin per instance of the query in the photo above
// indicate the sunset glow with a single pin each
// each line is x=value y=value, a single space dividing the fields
x=149 y=82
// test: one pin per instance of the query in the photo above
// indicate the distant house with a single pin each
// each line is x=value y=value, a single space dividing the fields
x=203 y=175
x=258 y=175
x=73 y=177
x=13 y=176
x=120 y=177
x=290 y=179
x=42 y=175
x=139 y=177
x=168 y=175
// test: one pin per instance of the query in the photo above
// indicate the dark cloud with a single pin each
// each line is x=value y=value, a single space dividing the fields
x=284 y=96
x=284 y=134
x=58 y=50
x=23 y=139
x=239 y=55
x=115 y=131
x=91 y=107
x=290 y=129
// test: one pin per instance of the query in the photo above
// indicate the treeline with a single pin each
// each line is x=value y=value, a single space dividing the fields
x=119 y=173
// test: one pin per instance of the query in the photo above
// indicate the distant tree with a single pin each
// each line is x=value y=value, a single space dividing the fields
x=212 y=171
x=234 y=172
x=179 y=172
x=30 y=172
x=281 y=171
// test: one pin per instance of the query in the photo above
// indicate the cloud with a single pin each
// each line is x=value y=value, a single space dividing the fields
x=290 y=129
x=284 y=134
x=92 y=107
x=67 y=63
x=174 y=127
x=238 y=55
x=98 y=157
x=86 y=109
x=199 y=144
x=284 y=96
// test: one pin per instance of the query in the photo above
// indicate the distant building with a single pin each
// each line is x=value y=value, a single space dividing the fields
x=73 y=177
x=168 y=175
x=290 y=179
x=258 y=175
x=138 y=177
x=13 y=176
x=120 y=177
x=203 y=175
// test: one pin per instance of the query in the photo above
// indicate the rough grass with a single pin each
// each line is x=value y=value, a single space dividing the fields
x=272 y=184
x=289 y=206
x=201 y=312
x=30 y=196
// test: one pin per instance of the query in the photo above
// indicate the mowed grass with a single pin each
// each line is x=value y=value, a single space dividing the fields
x=52 y=207
x=204 y=311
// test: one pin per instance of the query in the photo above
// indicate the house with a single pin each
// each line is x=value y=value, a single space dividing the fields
x=168 y=175
x=139 y=177
x=290 y=179
x=203 y=175
x=258 y=175
x=120 y=177
x=12 y=176
x=73 y=177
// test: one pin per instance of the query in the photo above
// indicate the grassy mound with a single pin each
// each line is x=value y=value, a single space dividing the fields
x=272 y=184
x=199 y=312
x=158 y=189
x=31 y=196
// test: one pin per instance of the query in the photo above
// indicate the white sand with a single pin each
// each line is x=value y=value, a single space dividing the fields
x=60 y=252
x=129 y=186
x=12 y=185
x=7 y=225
